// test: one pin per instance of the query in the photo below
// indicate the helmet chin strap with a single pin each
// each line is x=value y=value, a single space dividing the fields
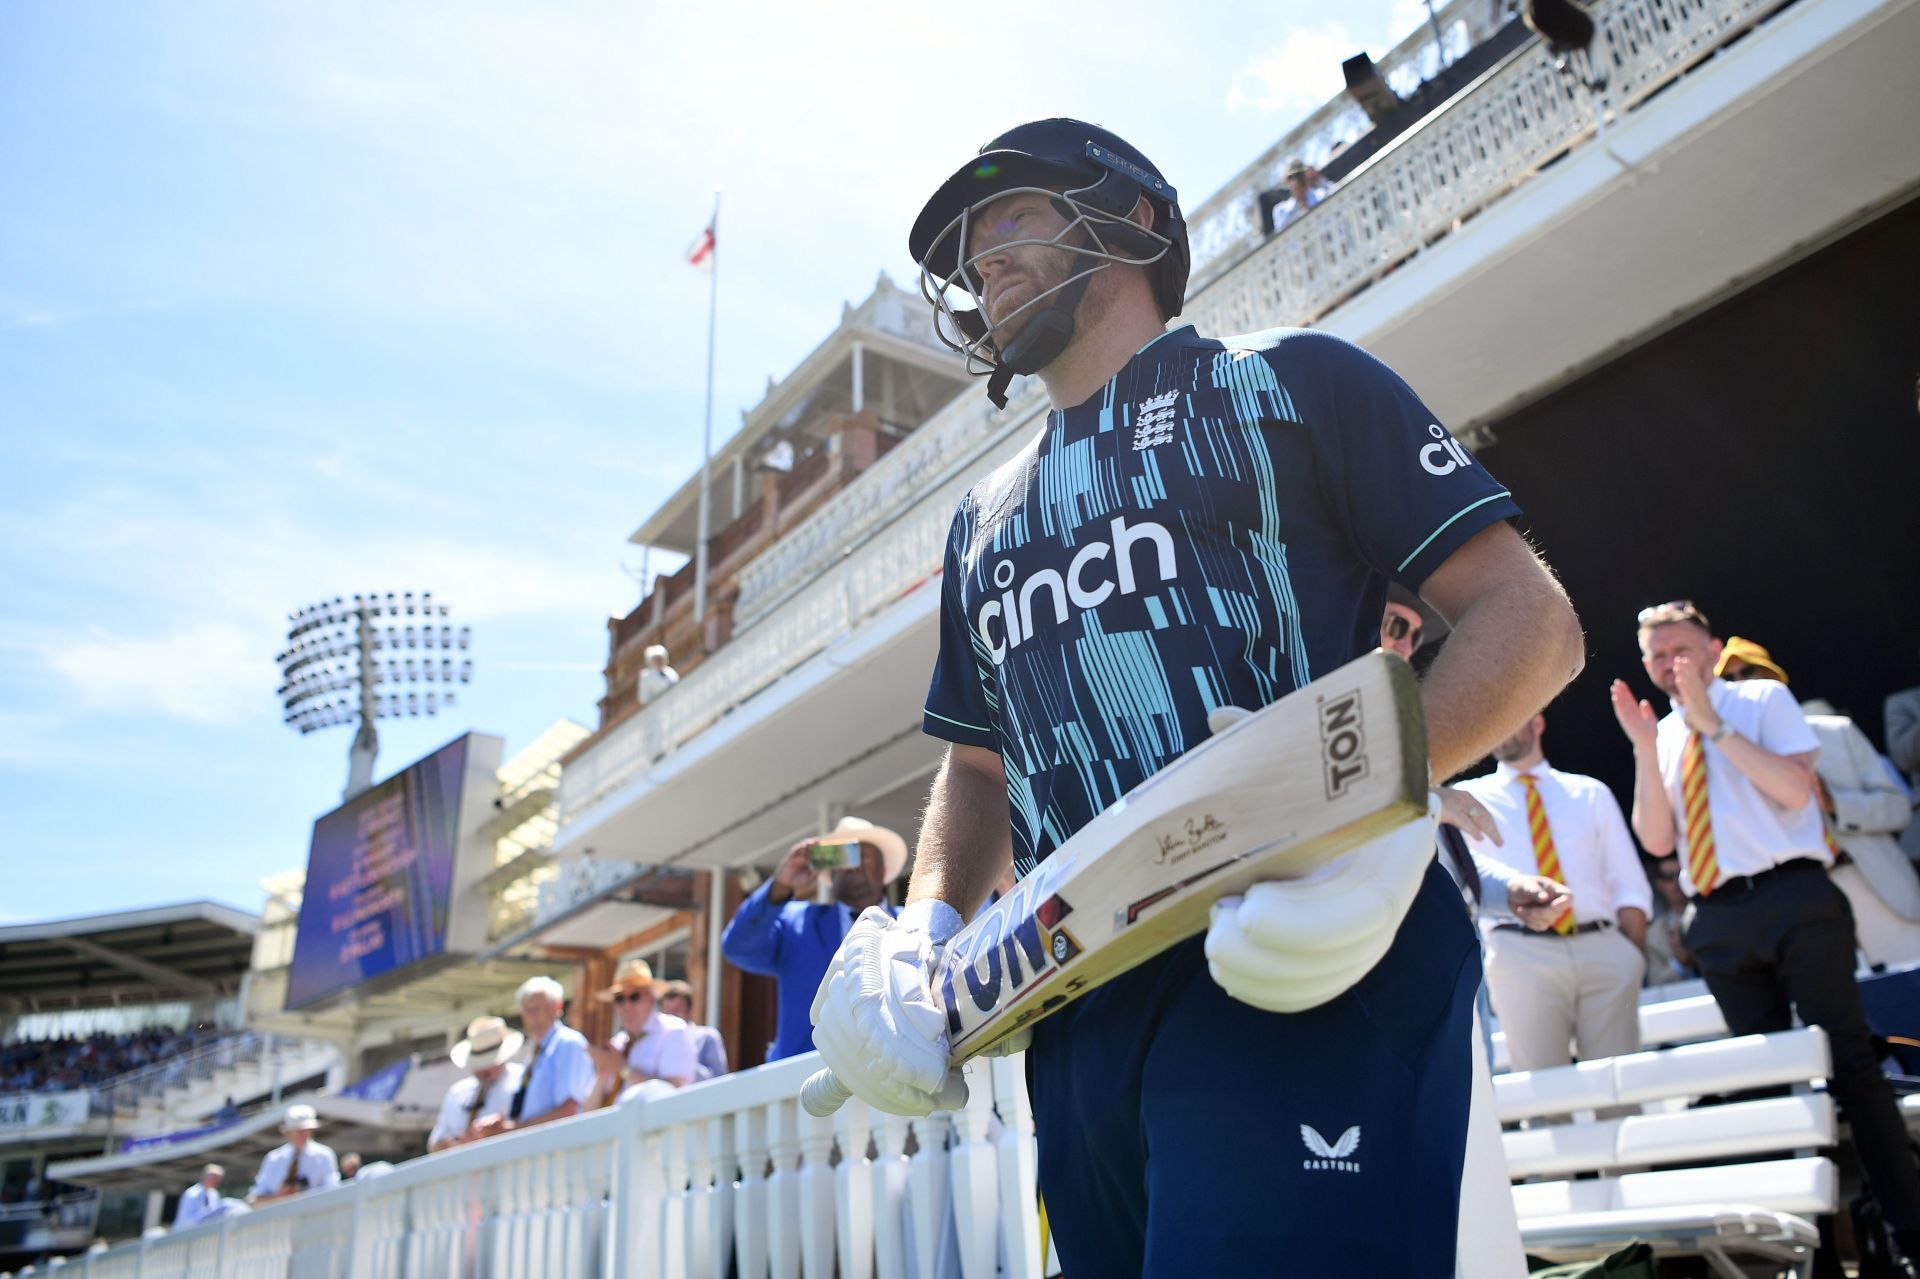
x=1042 y=338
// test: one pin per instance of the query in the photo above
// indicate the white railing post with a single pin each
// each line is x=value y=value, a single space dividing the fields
x=717 y=1207
x=696 y=1223
x=816 y=1196
x=223 y=1258
x=891 y=1247
x=927 y=1198
x=1019 y=1169
x=672 y=1210
x=359 y=1250
x=853 y=1192
x=750 y=1193
x=649 y=1194
x=783 y=1190
x=974 y=1177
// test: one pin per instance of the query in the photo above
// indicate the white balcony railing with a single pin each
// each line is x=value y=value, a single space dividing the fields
x=731 y=1170
x=886 y=530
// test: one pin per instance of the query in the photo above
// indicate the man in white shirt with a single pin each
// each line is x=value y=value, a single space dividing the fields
x=656 y=677
x=1727 y=779
x=1577 y=981
x=201 y=1201
x=651 y=1047
x=301 y=1164
x=487 y=1093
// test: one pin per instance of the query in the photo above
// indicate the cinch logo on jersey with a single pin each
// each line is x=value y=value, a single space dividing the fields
x=1153 y=421
x=1331 y=1158
x=1007 y=622
x=1444 y=456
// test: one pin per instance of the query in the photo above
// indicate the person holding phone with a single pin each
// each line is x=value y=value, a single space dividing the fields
x=780 y=931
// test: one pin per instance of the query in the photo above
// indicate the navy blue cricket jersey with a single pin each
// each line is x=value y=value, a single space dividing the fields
x=1216 y=527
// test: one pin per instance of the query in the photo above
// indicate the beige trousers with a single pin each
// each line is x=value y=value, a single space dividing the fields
x=1884 y=936
x=1560 y=995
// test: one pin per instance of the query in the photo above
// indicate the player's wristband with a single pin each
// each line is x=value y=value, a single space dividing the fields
x=931 y=916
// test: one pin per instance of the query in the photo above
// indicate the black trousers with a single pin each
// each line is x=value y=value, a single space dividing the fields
x=1787 y=942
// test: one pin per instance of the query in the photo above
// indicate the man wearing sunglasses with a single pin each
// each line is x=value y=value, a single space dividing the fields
x=1726 y=779
x=651 y=1047
x=1401 y=626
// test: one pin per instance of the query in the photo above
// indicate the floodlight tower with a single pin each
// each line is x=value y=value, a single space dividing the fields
x=365 y=657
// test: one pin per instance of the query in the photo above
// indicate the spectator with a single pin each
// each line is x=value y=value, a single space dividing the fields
x=201 y=1201
x=1401 y=626
x=1668 y=959
x=350 y=1165
x=1903 y=748
x=1308 y=188
x=1726 y=778
x=656 y=677
x=791 y=941
x=559 y=1079
x=1863 y=812
x=301 y=1164
x=228 y=1113
x=1578 y=980
x=709 y=1049
x=487 y=1092
x=652 y=1049
x=72 y=1062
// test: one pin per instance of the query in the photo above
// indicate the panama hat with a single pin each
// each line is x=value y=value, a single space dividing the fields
x=893 y=849
x=635 y=974
x=1750 y=654
x=300 y=1118
x=488 y=1043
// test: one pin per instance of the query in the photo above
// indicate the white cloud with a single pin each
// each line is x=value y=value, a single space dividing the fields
x=1299 y=75
x=209 y=673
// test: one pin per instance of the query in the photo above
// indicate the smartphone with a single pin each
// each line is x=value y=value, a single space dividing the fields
x=833 y=854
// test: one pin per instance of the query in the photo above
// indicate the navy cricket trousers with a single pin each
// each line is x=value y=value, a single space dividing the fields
x=1182 y=1132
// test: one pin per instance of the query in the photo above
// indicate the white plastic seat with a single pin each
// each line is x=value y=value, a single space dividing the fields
x=1805 y=1187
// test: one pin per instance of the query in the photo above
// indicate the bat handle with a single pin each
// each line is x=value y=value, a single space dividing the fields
x=823 y=1093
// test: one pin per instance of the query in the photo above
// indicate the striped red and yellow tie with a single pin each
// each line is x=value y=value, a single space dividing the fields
x=1544 y=853
x=1703 y=867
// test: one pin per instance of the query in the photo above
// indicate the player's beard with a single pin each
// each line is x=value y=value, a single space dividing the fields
x=1034 y=274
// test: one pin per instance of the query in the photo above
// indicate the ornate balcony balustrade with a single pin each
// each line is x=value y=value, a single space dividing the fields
x=860 y=549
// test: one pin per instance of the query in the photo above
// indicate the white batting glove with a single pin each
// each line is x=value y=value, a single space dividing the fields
x=876 y=1021
x=1286 y=946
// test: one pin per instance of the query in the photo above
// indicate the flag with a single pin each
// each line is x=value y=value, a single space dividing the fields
x=700 y=254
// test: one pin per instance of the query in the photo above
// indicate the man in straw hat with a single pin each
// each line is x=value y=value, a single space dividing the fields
x=301 y=1164
x=791 y=940
x=651 y=1047
x=487 y=1093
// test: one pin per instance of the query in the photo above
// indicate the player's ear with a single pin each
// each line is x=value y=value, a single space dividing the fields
x=1142 y=215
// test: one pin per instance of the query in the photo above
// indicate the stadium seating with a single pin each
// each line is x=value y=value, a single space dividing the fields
x=1592 y=1184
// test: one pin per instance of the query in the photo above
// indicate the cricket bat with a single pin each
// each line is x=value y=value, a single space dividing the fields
x=1278 y=795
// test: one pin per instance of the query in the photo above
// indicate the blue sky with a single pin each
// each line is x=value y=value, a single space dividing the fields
x=299 y=300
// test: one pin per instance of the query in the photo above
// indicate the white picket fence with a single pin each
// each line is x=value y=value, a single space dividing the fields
x=731 y=1169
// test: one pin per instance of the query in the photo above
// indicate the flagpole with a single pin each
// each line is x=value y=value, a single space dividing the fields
x=706 y=442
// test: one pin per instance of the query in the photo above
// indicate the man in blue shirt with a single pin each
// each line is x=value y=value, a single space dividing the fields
x=778 y=933
x=559 y=1078
x=1200 y=524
